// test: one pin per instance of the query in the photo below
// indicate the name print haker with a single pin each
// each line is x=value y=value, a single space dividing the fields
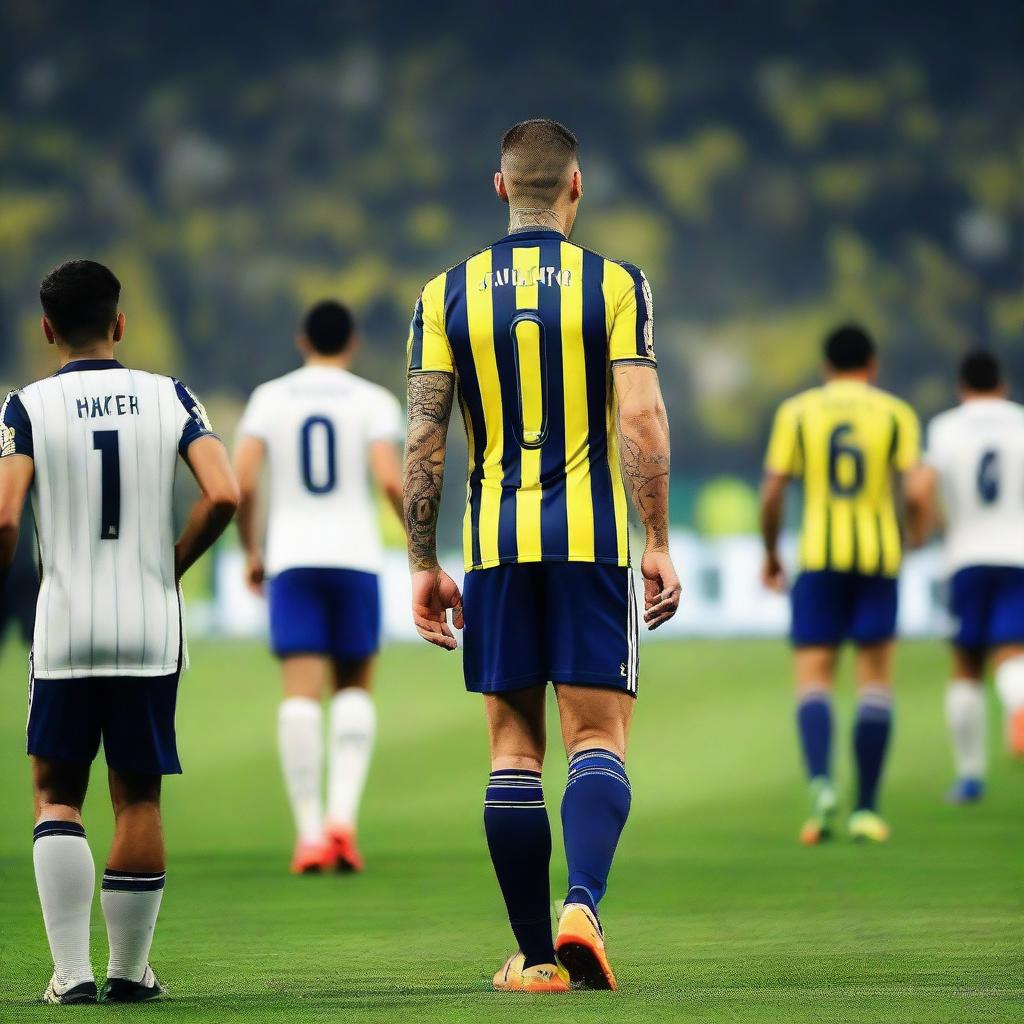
x=107 y=405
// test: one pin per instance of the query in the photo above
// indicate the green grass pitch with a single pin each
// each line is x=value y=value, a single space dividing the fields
x=715 y=913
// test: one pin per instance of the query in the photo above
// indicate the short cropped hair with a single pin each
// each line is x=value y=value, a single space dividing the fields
x=849 y=347
x=80 y=300
x=536 y=156
x=980 y=371
x=329 y=326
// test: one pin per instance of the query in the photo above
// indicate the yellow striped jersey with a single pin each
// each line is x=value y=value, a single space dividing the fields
x=530 y=327
x=846 y=439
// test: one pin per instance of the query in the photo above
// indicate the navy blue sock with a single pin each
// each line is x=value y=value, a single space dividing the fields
x=594 y=811
x=814 y=719
x=519 y=838
x=870 y=742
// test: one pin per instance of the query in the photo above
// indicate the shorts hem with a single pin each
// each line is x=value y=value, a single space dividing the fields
x=857 y=641
x=309 y=652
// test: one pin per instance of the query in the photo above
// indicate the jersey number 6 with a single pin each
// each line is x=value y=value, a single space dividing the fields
x=847 y=484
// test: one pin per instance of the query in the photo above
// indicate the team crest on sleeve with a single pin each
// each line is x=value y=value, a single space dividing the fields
x=7 y=446
x=649 y=318
x=198 y=410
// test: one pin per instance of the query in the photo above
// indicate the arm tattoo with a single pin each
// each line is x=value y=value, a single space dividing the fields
x=430 y=398
x=645 y=457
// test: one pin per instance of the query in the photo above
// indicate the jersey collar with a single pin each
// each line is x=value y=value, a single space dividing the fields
x=531 y=234
x=89 y=364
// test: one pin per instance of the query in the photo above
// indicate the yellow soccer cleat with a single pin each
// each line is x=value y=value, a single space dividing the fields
x=824 y=803
x=541 y=978
x=867 y=826
x=580 y=948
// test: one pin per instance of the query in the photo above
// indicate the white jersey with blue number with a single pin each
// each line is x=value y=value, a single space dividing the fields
x=105 y=442
x=977 y=449
x=317 y=425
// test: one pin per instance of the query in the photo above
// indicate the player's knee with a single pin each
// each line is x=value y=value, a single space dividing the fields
x=136 y=793
x=589 y=737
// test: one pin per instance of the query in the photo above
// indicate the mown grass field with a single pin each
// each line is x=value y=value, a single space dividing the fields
x=714 y=914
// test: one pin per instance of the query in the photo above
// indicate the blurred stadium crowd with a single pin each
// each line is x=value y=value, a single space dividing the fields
x=799 y=163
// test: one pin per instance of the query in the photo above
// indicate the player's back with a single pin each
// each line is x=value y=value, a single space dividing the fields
x=530 y=326
x=977 y=449
x=317 y=424
x=105 y=440
x=845 y=440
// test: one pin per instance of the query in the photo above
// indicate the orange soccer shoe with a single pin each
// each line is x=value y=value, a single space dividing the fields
x=345 y=854
x=580 y=948
x=541 y=978
x=1015 y=733
x=311 y=858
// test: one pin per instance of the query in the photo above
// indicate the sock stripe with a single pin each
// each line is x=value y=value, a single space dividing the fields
x=57 y=828
x=515 y=805
x=598 y=752
x=133 y=881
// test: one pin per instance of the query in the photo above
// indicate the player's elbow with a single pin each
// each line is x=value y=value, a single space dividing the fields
x=225 y=498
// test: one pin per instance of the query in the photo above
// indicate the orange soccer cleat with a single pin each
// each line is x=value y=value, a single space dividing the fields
x=1015 y=733
x=311 y=858
x=541 y=978
x=344 y=852
x=580 y=949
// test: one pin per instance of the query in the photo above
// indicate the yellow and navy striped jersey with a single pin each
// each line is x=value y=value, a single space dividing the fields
x=530 y=327
x=846 y=439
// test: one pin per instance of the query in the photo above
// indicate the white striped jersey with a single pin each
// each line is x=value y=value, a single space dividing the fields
x=317 y=424
x=105 y=442
x=977 y=450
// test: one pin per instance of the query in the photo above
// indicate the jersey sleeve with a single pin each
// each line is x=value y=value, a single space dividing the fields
x=784 y=455
x=933 y=454
x=906 y=444
x=428 y=347
x=386 y=420
x=257 y=419
x=193 y=421
x=631 y=332
x=15 y=428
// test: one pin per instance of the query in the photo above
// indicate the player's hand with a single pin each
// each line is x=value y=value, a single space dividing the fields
x=433 y=593
x=772 y=573
x=662 y=588
x=255 y=574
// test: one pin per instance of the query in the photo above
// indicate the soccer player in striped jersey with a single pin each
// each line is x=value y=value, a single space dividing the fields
x=845 y=442
x=974 y=458
x=324 y=434
x=550 y=349
x=97 y=445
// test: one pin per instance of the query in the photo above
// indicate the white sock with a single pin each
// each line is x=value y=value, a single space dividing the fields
x=131 y=902
x=1010 y=684
x=65 y=878
x=353 y=726
x=965 y=715
x=300 y=742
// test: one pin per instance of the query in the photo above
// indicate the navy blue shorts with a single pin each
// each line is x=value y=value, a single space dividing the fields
x=831 y=607
x=988 y=603
x=333 y=612
x=562 y=622
x=132 y=715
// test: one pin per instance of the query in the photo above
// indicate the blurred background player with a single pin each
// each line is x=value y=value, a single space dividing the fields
x=553 y=349
x=844 y=441
x=323 y=433
x=98 y=446
x=18 y=598
x=975 y=454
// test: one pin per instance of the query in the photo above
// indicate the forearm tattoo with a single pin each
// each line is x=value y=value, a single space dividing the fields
x=430 y=398
x=644 y=452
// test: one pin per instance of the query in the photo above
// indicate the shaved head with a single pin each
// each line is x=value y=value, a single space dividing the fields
x=538 y=158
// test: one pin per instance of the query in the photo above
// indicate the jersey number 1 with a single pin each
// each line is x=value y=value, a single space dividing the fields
x=106 y=443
